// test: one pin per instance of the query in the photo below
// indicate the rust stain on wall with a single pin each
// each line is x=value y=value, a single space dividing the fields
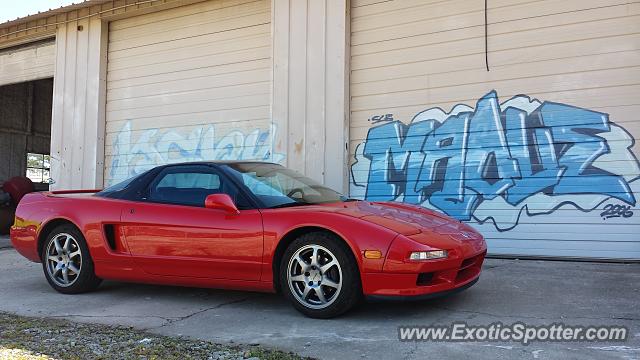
x=298 y=147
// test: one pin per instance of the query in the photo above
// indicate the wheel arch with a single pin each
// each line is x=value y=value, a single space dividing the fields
x=293 y=234
x=48 y=227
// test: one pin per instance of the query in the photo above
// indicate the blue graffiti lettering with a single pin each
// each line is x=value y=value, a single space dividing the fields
x=443 y=172
x=390 y=150
x=531 y=145
x=518 y=149
x=577 y=146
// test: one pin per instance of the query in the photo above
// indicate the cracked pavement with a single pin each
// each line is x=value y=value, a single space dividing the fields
x=535 y=292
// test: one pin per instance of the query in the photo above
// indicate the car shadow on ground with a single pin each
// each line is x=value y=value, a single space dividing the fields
x=274 y=302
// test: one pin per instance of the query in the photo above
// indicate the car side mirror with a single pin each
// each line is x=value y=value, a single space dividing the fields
x=221 y=202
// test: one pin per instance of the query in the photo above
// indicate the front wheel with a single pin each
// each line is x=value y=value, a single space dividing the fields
x=66 y=261
x=319 y=276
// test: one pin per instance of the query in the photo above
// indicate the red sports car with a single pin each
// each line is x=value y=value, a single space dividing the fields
x=246 y=225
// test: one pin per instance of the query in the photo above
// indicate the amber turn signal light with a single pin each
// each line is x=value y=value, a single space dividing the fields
x=372 y=254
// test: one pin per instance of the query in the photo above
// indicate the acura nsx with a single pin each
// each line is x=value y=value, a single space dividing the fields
x=248 y=226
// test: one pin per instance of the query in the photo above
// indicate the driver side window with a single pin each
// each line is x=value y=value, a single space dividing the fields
x=190 y=180
x=190 y=186
x=184 y=187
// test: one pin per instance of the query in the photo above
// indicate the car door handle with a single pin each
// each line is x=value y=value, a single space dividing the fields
x=132 y=211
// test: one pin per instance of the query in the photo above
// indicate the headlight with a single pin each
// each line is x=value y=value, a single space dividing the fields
x=428 y=255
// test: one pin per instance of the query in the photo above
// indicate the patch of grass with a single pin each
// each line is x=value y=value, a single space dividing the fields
x=41 y=338
x=272 y=354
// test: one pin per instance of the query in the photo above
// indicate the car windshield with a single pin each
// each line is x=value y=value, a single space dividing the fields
x=276 y=186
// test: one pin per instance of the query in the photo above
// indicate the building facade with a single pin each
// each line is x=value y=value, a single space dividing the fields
x=518 y=117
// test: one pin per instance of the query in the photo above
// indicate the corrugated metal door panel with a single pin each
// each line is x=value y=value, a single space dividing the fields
x=27 y=63
x=186 y=84
x=539 y=153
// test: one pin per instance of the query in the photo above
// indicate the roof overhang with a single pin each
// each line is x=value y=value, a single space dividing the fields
x=51 y=12
x=44 y=24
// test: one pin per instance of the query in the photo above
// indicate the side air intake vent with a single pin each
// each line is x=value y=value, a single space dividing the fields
x=110 y=234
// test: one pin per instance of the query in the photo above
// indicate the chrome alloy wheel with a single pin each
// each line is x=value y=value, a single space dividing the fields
x=315 y=276
x=64 y=259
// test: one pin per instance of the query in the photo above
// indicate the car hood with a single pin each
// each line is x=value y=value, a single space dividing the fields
x=408 y=220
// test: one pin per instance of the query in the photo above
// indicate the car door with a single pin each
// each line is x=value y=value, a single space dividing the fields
x=169 y=232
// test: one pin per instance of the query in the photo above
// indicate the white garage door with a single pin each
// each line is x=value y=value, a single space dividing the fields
x=26 y=63
x=187 y=84
x=539 y=153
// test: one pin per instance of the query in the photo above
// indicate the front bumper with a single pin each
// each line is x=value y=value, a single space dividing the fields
x=422 y=297
x=426 y=278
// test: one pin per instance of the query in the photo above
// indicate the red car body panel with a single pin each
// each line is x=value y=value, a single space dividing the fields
x=194 y=241
x=196 y=246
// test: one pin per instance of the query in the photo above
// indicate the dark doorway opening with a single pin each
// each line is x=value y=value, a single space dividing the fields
x=25 y=131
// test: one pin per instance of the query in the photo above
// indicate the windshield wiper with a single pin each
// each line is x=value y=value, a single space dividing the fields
x=288 y=205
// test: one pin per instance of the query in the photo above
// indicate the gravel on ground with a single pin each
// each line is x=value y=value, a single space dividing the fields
x=26 y=338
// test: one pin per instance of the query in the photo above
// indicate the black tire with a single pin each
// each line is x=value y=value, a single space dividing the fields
x=350 y=291
x=86 y=280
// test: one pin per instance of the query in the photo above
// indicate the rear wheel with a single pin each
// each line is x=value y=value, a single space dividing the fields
x=66 y=261
x=319 y=276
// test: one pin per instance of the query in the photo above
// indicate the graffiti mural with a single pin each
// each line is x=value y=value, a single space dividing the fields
x=155 y=147
x=494 y=162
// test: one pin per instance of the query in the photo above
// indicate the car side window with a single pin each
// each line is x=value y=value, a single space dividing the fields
x=190 y=186
x=187 y=180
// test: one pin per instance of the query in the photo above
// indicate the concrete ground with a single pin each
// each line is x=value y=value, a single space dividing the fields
x=4 y=242
x=535 y=292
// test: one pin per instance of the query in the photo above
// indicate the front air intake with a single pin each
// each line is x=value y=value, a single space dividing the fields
x=424 y=279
